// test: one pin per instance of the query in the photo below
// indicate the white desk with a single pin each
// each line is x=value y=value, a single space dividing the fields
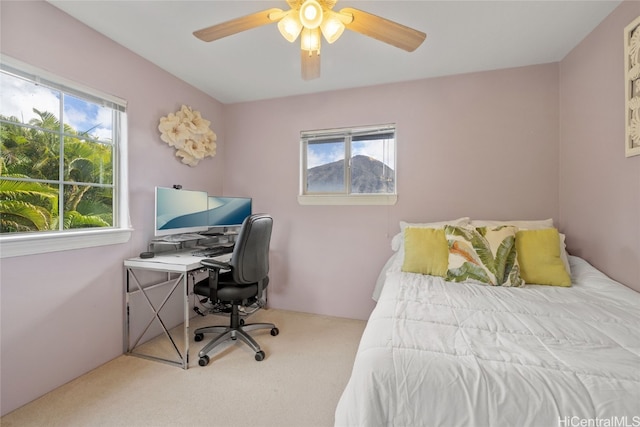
x=180 y=268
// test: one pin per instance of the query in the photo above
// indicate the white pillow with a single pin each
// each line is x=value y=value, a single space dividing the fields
x=523 y=225
x=382 y=277
x=397 y=242
x=564 y=256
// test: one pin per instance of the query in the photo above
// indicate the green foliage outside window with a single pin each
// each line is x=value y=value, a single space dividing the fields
x=35 y=184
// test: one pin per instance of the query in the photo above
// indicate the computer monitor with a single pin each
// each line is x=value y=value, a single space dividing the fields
x=228 y=211
x=180 y=211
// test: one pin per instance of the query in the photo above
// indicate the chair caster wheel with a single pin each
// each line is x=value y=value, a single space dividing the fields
x=275 y=331
x=260 y=356
x=204 y=361
x=198 y=337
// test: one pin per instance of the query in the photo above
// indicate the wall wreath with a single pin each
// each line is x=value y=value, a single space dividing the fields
x=189 y=133
x=632 y=87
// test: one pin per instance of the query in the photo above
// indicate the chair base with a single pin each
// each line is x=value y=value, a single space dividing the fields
x=234 y=331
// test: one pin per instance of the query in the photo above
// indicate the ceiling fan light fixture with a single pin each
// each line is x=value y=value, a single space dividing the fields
x=308 y=19
x=290 y=26
x=311 y=14
x=310 y=40
x=332 y=27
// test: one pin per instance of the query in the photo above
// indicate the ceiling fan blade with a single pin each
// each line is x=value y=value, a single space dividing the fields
x=384 y=30
x=234 y=26
x=310 y=63
x=328 y=3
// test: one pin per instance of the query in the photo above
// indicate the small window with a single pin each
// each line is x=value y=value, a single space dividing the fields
x=349 y=166
x=60 y=158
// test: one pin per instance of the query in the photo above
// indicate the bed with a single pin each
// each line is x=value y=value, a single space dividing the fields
x=442 y=353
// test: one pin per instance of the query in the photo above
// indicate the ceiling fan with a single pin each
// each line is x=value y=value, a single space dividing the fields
x=310 y=18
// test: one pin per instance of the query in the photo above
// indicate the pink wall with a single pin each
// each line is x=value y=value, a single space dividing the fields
x=483 y=145
x=599 y=187
x=62 y=312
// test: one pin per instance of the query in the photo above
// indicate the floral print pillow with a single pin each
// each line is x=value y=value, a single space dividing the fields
x=484 y=255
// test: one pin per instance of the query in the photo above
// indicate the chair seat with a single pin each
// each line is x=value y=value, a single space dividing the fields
x=227 y=292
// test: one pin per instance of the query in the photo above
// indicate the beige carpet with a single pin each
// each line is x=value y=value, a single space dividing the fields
x=298 y=384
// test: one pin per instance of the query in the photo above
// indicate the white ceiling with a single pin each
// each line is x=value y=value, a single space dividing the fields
x=462 y=37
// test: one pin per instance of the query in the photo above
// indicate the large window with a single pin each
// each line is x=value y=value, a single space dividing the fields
x=60 y=157
x=349 y=166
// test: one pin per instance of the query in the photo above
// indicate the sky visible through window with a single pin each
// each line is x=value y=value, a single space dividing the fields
x=321 y=154
x=19 y=97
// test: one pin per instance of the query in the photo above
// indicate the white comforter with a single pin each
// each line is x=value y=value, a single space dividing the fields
x=436 y=353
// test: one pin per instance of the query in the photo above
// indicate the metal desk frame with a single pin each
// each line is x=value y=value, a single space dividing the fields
x=185 y=266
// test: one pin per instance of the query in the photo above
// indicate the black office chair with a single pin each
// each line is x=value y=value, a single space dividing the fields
x=241 y=283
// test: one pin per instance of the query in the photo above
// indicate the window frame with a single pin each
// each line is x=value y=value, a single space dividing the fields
x=346 y=198
x=20 y=244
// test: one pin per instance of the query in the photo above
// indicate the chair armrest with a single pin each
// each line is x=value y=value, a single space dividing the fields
x=215 y=264
x=262 y=285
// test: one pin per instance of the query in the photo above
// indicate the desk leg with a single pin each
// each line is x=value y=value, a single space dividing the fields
x=174 y=284
x=185 y=294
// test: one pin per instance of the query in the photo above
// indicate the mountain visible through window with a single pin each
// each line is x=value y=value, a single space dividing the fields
x=353 y=161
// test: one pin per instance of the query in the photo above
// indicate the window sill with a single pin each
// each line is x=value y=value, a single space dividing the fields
x=355 y=200
x=13 y=246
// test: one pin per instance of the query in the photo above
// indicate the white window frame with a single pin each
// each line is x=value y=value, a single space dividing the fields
x=20 y=244
x=345 y=198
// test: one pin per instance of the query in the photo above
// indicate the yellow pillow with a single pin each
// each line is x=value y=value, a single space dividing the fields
x=425 y=251
x=539 y=257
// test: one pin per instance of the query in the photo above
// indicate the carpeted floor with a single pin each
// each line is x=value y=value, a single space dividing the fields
x=298 y=384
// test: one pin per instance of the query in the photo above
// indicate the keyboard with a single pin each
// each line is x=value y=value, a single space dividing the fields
x=215 y=251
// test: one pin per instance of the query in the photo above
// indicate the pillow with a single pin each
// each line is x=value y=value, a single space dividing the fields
x=539 y=257
x=564 y=256
x=526 y=224
x=483 y=254
x=382 y=277
x=440 y=224
x=425 y=251
x=398 y=239
x=397 y=243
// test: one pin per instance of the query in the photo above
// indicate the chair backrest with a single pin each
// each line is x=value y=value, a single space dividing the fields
x=250 y=259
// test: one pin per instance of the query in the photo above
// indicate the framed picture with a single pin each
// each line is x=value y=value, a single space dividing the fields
x=632 y=88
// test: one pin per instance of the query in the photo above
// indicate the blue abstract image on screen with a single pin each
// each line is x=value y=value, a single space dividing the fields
x=228 y=211
x=180 y=211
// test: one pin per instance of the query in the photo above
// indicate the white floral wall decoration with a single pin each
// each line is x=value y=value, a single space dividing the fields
x=189 y=134
x=632 y=87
